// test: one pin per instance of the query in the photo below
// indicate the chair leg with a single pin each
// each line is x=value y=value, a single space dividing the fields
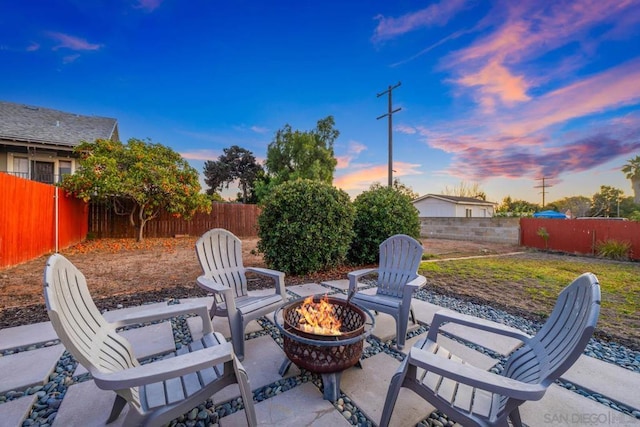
x=392 y=393
x=514 y=416
x=118 y=405
x=401 y=331
x=245 y=392
x=413 y=316
x=237 y=336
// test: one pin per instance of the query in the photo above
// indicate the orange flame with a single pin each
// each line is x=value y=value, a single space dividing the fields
x=318 y=318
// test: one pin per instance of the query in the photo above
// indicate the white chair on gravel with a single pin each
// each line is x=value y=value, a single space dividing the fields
x=398 y=279
x=474 y=397
x=156 y=392
x=220 y=256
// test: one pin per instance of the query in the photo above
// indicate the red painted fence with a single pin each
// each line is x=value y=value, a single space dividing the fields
x=28 y=212
x=579 y=236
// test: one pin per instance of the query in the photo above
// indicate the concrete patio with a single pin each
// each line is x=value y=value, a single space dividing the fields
x=301 y=402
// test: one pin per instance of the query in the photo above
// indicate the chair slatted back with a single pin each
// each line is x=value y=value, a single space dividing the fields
x=400 y=257
x=84 y=332
x=220 y=256
x=562 y=338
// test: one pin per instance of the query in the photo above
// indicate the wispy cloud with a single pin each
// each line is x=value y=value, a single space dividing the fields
x=70 y=58
x=148 y=5
x=436 y=14
x=200 y=155
x=613 y=88
x=495 y=65
x=70 y=42
x=481 y=158
x=353 y=150
x=259 y=129
x=33 y=47
x=363 y=178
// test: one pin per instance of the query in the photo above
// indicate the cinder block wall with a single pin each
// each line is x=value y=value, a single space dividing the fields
x=495 y=230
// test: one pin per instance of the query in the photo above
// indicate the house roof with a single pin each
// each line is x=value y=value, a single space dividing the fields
x=24 y=123
x=456 y=200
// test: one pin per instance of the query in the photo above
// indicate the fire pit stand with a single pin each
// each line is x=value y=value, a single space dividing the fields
x=327 y=355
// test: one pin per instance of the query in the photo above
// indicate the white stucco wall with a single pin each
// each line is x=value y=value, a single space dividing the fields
x=432 y=207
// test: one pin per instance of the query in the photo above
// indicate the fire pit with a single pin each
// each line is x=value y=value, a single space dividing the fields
x=323 y=335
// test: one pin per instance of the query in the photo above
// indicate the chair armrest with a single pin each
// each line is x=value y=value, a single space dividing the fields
x=415 y=284
x=354 y=276
x=277 y=276
x=164 y=369
x=210 y=285
x=154 y=313
x=446 y=316
x=473 y=376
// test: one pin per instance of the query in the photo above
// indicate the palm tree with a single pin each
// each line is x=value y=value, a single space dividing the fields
x=632 y=172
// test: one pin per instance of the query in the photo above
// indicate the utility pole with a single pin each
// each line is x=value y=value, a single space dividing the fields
x=543 y=186
x=389 y=114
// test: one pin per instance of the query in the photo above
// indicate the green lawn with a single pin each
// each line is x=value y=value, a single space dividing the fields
x=538 y=280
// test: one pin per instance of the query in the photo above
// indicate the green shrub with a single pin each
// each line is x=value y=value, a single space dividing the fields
x=613 y=249
x=380 y=213
x=305 y=226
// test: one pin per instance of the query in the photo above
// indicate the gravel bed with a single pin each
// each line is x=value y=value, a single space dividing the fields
x=50 y=395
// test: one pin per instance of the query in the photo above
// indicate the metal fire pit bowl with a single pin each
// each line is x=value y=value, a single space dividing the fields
x=327 y=355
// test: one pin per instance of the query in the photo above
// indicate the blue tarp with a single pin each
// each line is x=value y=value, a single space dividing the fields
x=549 y=214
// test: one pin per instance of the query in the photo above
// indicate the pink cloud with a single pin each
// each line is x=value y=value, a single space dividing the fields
x=353 y=150
x=531 y=30
x=614 y=88
x=200 y=155
x=148 y=5
x=405 y=129
x=436 y=14
x=71 y=42
x=480 y=158
x=363 y=178
x=33 y=47
x=497 y=83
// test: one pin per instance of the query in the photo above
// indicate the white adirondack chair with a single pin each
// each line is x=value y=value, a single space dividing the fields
x=475 y=397
x=156 y=392
x=398 y=278
x=220 y=256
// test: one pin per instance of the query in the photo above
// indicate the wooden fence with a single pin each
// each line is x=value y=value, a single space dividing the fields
x=579 y=236
x=241 y=220
x=28 y=212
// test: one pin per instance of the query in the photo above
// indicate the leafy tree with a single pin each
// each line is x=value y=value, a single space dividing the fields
x=399 y=187
x=606 y=203
x=516 y=208
x=305 y=226
x=381 y=212
x=578 y=205
x=236 y=164
x=150 y=177
x=305 y=155
x=466 y=189
x=632 y=172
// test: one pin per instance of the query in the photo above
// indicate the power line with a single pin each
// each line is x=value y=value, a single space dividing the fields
x=389 y=114
x=543 y=186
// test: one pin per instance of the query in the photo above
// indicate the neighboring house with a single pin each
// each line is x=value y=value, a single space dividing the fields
x=37 y=143
x=439 y=205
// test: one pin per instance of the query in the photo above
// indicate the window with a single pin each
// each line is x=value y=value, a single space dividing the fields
x=64 y=168
x=467 y=213
x=21 y=167
x=42 y=171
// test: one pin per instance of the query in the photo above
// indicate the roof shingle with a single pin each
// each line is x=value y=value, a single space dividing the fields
x=36 y=124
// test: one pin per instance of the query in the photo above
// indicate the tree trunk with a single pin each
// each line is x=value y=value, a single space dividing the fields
x=143 y=222
x=635 y=184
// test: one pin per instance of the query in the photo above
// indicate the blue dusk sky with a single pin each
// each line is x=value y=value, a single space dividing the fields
x=500 y=93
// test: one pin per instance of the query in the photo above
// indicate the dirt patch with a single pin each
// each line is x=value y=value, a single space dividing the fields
x=121 y=273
